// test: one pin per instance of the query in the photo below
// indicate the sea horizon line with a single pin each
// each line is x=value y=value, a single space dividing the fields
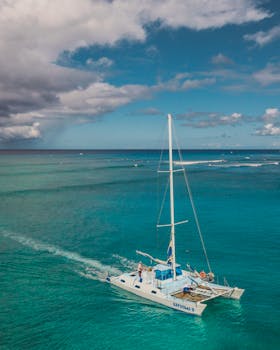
x=100 y=150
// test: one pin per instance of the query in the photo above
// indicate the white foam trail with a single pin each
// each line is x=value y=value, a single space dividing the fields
x=238 y=165
x=125 y=262
x=97 y=267
x=91 y=276
x=254 y=165
x=199 y=162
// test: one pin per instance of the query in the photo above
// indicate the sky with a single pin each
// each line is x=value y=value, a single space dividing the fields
x=98 y=74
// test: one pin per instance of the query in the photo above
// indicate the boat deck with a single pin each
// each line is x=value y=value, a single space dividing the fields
x=201 y=293
x=190 y=296
x=217 y=290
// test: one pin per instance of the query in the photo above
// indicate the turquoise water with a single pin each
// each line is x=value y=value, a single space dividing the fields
x=67 y=218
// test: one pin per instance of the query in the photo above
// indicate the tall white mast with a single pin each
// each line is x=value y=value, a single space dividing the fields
x=171 y=196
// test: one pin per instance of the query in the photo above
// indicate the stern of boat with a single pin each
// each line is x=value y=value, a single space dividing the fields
x=234 y=293
x=200 y=308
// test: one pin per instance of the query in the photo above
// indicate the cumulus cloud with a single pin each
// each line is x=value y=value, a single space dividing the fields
x=271 y=119
x=48 y=26
x=221 y=59
x=242 y=78
x=272 y=114
x=262 y=38
x=269 y=130
x=22 y=132
x=269 y=122
x=100 y=98
x=210 y=119
x=34 y=34
x=102 y=62
x=196 y=83
x=184 y=81
x=204 y=14
x=269 y=75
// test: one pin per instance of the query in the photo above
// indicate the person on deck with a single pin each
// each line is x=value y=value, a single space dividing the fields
x=140 y=269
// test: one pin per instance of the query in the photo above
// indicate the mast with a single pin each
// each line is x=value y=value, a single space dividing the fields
x=172 y=223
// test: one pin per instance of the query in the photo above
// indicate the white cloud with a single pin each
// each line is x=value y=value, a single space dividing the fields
x=269 y=130
x=270 y=120
x=20 y=132
x=231 y=119
x=100 y=98
x=180 y=83
x=82 y=104
x=269 y=75
x=262 y=38
x=221 y=59
x=271 y=125
x=210 y=119
x=271 y=114
x=199 y=15
x=34 y=33
x=103 y=62
x=242 y=78
x=49 y=26
x=197 y=83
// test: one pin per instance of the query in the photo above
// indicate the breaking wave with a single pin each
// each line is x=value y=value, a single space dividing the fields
x=222 y=163
x=239 y=165
x=199 y=162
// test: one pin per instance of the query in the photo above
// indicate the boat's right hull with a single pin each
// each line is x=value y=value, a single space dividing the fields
x=235 y=293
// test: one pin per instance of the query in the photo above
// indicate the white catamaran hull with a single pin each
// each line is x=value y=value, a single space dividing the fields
x=171 y=295
x=188 y=307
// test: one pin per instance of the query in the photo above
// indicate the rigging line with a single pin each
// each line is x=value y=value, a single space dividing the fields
x=163 y=201
x=163 y=132
x=192 y=204
x=161 y=149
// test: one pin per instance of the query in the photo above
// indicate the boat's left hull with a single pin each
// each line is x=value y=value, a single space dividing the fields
x=194 y=308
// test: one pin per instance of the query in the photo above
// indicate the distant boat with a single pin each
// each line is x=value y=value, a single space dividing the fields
x=165 y=282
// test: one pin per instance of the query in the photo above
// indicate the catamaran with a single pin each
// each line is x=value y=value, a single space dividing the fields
x=165 y=281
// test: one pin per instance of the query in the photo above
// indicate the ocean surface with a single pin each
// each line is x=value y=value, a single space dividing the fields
x=68 y=218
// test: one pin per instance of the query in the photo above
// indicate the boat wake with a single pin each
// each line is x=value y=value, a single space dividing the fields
x=94 y=269
x=125 y=262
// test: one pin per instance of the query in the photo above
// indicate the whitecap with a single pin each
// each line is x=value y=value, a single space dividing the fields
x=239 y=165
x=199 y=162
